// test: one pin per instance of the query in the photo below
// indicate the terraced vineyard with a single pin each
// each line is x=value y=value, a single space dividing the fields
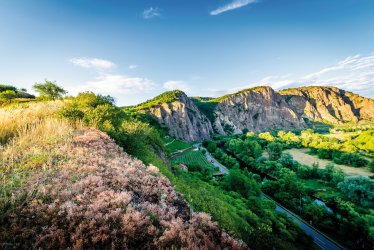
x=194 y=158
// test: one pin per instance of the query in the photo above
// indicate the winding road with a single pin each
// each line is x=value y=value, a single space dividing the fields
x=211 y=159
x=321 y=240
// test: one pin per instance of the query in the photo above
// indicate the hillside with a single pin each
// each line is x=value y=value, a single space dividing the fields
x=73 y=187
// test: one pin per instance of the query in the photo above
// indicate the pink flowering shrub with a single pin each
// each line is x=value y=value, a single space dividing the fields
x=105 y=199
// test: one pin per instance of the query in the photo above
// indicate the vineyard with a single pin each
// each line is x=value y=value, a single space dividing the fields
x=176 y=145
x=194 y=158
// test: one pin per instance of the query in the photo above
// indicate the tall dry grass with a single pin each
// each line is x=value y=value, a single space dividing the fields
x=31 y=137
x=15 y=118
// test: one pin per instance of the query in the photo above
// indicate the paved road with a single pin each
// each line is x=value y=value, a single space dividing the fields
x=211 y=159
x=322 y=241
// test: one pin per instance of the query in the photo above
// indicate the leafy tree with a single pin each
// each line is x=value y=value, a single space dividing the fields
x=8 y=95
x=274 y=150
x=267 y=136
x=240 y=183
x=49 y=90
x=7 y=87
x=359 y=189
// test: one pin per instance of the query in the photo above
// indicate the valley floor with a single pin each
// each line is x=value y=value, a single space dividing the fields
x=301 y=155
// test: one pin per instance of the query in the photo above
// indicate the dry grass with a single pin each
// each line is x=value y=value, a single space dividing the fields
x=17 y=118
x=301 y=156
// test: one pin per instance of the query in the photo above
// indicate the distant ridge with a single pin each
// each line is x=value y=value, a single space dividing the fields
x=256 y=109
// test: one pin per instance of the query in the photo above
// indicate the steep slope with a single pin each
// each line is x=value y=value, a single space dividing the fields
x=254 y=109
x=329 y=104
x=175 y=111
x=100 y=197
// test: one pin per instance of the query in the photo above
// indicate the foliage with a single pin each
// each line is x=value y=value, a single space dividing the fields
x=4 y=87
x=225 y=159
x=358 y=189
x=49 y=90
x=274 y=150
x=166 y=97
x=8 y=95
x=238 y=182
x=206 y=106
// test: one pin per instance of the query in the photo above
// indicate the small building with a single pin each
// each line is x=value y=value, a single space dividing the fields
x=183 y=167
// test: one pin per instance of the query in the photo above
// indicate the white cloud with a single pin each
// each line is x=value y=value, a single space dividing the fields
x=95 y=63
x=151 y=13
x=354 y=73
x=133 y=66
x=231 y=6
x=173 y=85
x=115 y=85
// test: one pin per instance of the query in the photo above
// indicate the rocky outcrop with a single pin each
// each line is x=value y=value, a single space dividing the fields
x=183 y=119
x=256 y=109
x=329 y=104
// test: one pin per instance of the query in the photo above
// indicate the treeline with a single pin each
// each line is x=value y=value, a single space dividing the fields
x=8 y=93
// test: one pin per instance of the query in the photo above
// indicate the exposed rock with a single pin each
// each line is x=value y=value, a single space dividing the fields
x=329 y=104
x=255 y=109
x=182 y=118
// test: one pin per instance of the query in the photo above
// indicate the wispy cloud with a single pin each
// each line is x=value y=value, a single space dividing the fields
x=232 y=6
x=174 y=85
x=354 y=73
x=151 y=13
x=133 y=66
x=95 y=63
x=112 y=84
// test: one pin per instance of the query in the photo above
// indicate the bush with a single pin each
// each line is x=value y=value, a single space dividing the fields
x=274 y=150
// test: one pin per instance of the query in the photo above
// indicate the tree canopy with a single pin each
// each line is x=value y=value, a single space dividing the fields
x=49 y=90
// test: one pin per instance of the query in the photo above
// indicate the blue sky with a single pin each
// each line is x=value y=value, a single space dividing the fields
x=135 y=49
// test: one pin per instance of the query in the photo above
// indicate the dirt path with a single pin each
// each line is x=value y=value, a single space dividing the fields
x=301 y=156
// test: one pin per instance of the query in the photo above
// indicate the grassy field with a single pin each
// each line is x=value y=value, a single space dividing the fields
x=194 y=157
x=173 y=146
x=323 y=189
x=301 y=156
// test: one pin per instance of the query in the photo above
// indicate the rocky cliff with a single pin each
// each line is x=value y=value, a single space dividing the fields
x=329 y=104
x=256 y=109
x=180 y=116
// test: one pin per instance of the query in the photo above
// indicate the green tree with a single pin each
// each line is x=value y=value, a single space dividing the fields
x=8 y=95
x=4 y=87
x=49 y=90
x=240 y=183
x=274 y=150
x=359 y=189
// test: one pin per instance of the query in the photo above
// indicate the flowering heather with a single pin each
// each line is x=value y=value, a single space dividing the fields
x=102 y=198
